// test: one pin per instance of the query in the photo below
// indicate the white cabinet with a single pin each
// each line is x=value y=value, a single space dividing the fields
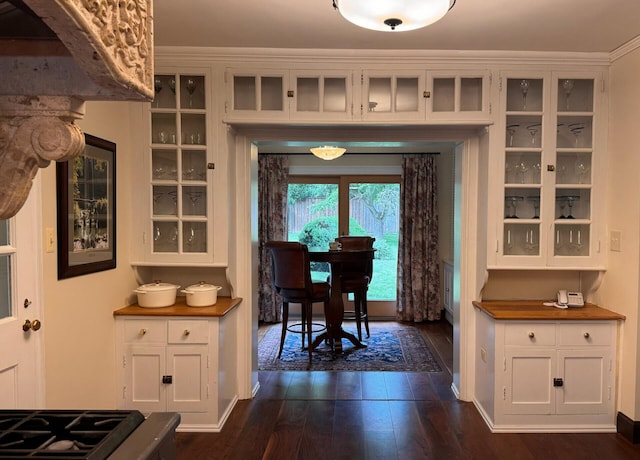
x=419 y=95
x=320 y=95
x=546 y=375
x=174 y=364
x=266 y=95
x=549 y=207
x=174 y=187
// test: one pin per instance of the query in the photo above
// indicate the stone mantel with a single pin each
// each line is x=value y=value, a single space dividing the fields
x=98 y=50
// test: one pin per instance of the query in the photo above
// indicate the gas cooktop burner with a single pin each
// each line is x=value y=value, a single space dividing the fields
x=68 y=434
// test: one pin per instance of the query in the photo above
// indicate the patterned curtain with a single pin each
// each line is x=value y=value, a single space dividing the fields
x=418 y=258
x=273 y=171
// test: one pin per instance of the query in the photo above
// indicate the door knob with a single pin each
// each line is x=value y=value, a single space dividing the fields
x=33 y=325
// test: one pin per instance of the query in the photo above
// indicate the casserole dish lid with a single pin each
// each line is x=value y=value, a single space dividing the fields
x=158 y=286
x=202 y=287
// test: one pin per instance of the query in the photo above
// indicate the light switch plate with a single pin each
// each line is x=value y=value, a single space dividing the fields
x=49 y=239
x=615 y=238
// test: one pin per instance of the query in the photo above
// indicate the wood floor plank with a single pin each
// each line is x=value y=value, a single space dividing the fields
x=373 y=386
x=349 y=385
x=286 y=437
x=318 y=430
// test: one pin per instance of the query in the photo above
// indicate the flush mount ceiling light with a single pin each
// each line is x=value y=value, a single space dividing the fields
x=388 y=16
x=328 y=152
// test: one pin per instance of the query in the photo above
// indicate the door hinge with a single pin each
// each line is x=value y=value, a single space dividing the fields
x=504 y=393
x=490 y=108
x=500 y=84
x=124 y=392
x=124 y=361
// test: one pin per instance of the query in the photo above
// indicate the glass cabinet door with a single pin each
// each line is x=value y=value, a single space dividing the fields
x=180 y=216
x=321 y=95
x=255 y=95
x=458 y=95
x=397 y=96
x=548 y=189
x=574 y=159
x=524 y=156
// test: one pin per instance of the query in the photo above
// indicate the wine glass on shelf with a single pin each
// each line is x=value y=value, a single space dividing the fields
x=172 y=85
x=567 y=87
x=191 y=87
x=562 y=203
x=157 y=87
x=571 y=200
x=576 y=129
x=533 y=130
x=530 y=243
x=537 y=173
x=524 y=89
x=194 y=197
x=511 y=131
x=582 y=171
x=511 y=202
x=522 y=168
x=535 y=202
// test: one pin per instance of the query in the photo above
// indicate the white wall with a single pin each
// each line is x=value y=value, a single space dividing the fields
x=620 y=287
x=78 y=321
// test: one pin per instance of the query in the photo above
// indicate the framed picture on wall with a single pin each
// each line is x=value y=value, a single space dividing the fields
x=86 y=202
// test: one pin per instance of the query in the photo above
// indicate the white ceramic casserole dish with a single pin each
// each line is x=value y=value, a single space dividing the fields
x=157 y=294
x=201 y=294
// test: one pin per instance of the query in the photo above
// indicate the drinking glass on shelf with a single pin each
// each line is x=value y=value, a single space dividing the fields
x=191 y=87
x=537 y=171
x=582 y=171
x=576 y=242
x=535 y=202
x=172 y=85
x=194 y=197
x=511 y=202
x=522 y=168
x=567 y=87
x=571 y=200
x=576 y=129
x=530 y=243
x=533 y=130
x=157 y=87
x=524 y=89
x=511 y=131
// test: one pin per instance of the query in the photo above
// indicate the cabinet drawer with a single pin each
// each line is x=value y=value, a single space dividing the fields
x=530 y=334
x=188 y=331
x=584 y=334
x=145 y=331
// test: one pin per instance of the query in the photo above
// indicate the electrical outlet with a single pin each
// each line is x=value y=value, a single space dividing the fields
x=615 y=240
x=49 y=239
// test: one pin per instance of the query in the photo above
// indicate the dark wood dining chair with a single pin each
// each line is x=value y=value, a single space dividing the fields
x=355 y=279
x=291 y=279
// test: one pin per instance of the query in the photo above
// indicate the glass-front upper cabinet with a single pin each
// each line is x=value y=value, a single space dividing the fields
x=551 y=213
x=419 y=95
x=454 y=95
x=179 y=171
x=284 y=95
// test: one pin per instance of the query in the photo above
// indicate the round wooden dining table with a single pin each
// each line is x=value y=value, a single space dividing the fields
x=335 y=313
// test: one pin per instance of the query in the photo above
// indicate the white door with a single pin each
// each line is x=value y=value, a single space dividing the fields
x=21 y=376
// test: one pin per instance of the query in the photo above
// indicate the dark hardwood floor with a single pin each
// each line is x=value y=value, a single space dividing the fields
x=380 y=415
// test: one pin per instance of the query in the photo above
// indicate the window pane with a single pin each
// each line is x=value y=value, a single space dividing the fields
x=374 y=211
x=5 y=284
x=313 y=219
x=4 y=232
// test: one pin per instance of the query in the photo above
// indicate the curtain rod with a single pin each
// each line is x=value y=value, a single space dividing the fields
x=353 y=153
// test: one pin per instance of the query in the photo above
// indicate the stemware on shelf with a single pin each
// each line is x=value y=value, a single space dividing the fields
x=157 y=86
x=533 y=130
x=582 y=171
x=511 y=131
x=535 y=202
x=576 y=129
x=570 y=202
x=530 y=243
x=191 y=87
x=511 y=202
x=567 y=87
x=522 y=168
x=562 y=202
x=194 y=197
x=524 y=89
x=172 y=85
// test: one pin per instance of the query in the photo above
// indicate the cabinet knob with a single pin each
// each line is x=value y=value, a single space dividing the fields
x=187 y=332
x=586 y=335
x=531 y=334
x=142 y=331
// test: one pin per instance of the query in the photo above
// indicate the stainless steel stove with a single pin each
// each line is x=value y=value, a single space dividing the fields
x=90 y=435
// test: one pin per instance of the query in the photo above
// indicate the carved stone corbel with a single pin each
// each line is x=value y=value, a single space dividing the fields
x=33 y=132
x=103 y=51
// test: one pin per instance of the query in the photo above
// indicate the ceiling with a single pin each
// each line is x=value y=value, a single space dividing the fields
x=517 y=25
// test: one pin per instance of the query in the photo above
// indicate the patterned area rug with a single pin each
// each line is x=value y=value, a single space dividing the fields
x=390 y=348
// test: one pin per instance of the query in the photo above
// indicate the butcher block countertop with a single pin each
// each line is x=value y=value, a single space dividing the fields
x=223 y=306
x=535 y=310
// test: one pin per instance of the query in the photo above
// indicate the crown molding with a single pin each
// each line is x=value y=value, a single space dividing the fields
x=625 y=49
x=279 y=55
